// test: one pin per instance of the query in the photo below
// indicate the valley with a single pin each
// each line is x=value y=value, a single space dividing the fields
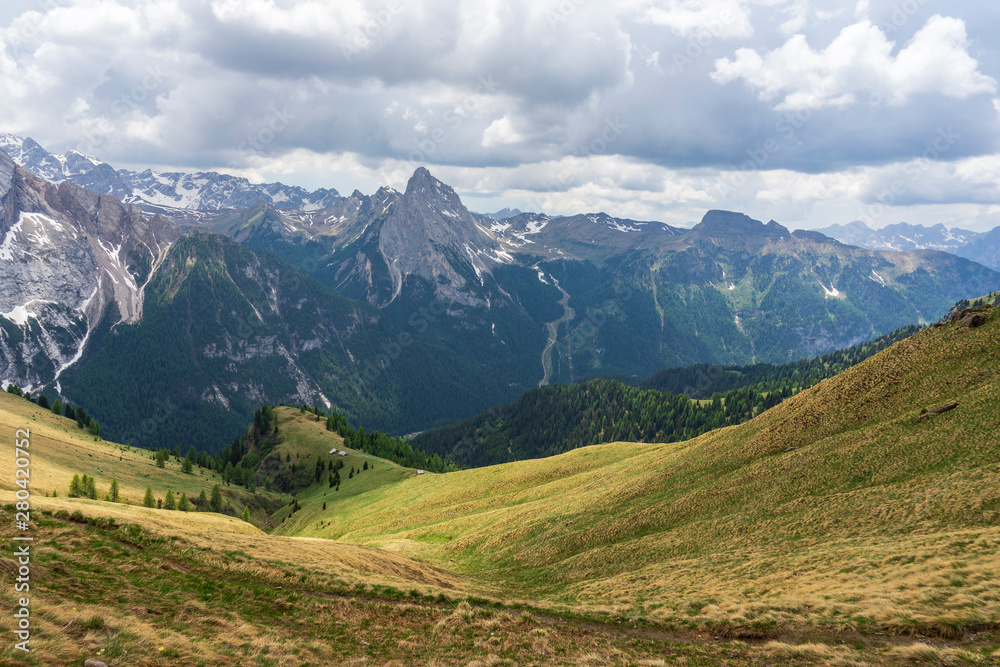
x=499 y=334
x=833 y=528
x=553 y=329
x=212 y=307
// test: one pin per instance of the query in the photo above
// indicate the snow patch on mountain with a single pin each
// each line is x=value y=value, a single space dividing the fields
x=7 y=247
x=833 y=291
x=166 y=192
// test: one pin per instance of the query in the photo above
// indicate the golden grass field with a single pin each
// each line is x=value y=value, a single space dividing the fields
x=833 y=529
x=834 y=510
x=63 y=450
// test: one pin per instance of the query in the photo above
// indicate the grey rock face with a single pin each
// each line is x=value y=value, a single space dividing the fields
x=429 y=233
x=65 y=254
x=7 y=167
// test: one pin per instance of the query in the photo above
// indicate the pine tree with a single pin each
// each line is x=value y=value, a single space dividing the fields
x=351 y=475
x=148 y=499
x=246 y=514
x=324 y=504
x=216 y=502
x=114 y=494
x=366 y=465
x=88 y=489
x=183 y=505
x=168 y=502
x=202 y=501
x=161 y=458
x=57 y=407
x=74 y=487
x=187 y=466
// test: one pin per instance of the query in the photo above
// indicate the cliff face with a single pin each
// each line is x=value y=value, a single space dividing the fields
x=66 y=254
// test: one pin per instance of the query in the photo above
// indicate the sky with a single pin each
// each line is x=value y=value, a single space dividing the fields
x=809 y=112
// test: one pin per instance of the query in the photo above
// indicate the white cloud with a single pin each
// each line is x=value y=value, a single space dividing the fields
x=720 y=18
x=859 y=66
x=304 y=19
x=580 y=118
x=500 y=132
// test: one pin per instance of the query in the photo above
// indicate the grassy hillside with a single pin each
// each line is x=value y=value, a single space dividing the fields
x=137 y=586
x=836 y=510
x=834 y=529
x=60 y=450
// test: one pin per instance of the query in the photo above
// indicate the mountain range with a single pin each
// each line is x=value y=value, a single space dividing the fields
x=980 y=247
x=171 y=193
x=404 y=310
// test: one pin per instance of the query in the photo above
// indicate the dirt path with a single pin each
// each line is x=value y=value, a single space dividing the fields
x=553 y=327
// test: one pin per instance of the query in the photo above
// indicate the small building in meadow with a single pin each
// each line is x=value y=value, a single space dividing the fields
x=420 y=472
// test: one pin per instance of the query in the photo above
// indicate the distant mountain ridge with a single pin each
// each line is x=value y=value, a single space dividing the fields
x=980 y=247
x=437 y=313
x=162 y=192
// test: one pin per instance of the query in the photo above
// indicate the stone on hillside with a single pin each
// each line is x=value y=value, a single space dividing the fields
x=927 y=414
x=91 y=662
x=972 y=320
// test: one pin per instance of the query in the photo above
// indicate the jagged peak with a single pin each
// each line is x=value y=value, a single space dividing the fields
x=422 y=179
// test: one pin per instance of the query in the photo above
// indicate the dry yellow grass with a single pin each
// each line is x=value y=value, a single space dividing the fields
x=834 y=515
x=834 y=508
x=59 y=450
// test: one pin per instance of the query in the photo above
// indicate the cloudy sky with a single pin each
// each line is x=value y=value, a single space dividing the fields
x=810 y=112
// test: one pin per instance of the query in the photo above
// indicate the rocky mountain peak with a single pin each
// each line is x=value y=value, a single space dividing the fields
x=430 y=233
x=730 y=223
x=425 y=186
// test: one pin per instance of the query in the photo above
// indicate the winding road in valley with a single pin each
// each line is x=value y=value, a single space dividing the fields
x=553 y=327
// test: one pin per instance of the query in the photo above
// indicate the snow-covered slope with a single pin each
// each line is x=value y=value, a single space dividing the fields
x=168 y=193
x=901 y=236
x=66 y=254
